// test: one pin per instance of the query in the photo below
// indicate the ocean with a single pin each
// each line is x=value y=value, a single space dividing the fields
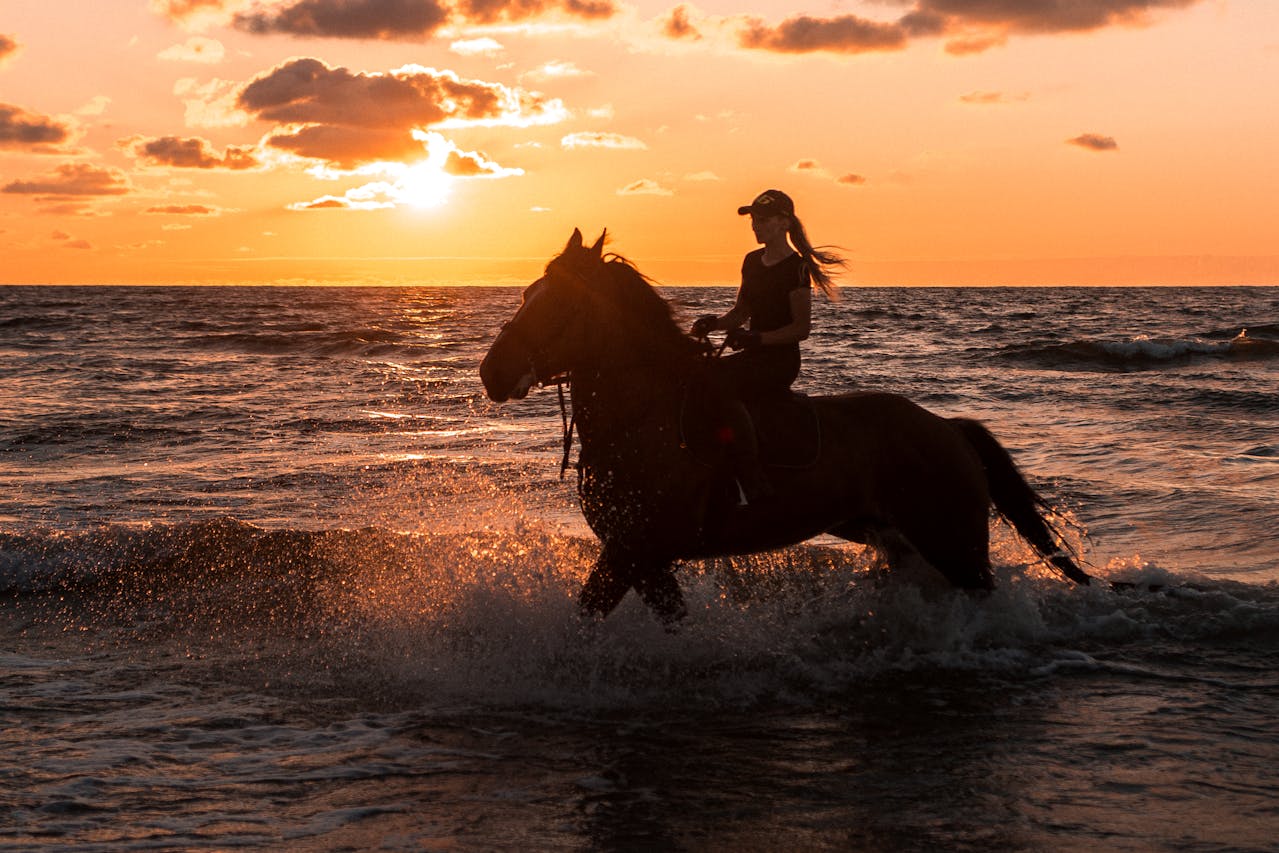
x=275 y=574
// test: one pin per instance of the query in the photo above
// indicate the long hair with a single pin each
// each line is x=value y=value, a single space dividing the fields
x=822 y=264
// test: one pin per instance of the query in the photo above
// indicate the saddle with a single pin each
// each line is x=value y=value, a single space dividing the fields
x=786 y=429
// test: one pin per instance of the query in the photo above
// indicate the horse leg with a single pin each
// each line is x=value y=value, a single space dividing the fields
x=615 y=573
x=957 y=546
x=603 y=591
x=958 y=550
x=658 y=589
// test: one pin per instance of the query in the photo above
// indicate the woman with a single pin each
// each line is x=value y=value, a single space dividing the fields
x=774 y=304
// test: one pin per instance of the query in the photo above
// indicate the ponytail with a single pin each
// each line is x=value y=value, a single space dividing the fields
x=822 y=265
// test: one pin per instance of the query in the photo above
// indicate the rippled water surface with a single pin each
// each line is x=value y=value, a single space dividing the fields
x=275 y=574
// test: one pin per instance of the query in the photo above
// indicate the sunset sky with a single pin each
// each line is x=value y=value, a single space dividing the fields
x=461 y=141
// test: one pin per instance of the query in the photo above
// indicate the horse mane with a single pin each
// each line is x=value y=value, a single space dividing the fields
x=630 y=298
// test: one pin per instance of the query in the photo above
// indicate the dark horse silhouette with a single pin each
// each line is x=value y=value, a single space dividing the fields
x=888 y=472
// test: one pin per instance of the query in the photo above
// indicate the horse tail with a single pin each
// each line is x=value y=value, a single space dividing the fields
x=1017 y=502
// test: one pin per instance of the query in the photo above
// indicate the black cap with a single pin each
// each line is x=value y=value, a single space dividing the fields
x=769 y=203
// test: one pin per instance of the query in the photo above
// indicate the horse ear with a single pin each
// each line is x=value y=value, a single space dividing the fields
x=574 y=242
x=597 y=251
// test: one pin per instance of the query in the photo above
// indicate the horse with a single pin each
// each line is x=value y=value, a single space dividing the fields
x=888 y=473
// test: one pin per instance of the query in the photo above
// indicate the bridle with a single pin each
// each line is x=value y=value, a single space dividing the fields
x=536 y=352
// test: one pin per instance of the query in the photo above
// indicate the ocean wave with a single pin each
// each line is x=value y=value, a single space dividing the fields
x=305 y=341
x=488 y=618
x=1142 y=352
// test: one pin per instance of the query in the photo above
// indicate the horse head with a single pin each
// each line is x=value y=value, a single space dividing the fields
x=552 y=329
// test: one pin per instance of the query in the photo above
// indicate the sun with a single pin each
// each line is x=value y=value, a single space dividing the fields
x=424 y=184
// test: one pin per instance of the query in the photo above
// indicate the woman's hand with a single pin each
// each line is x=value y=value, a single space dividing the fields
x=743 y=339
x=703 y=326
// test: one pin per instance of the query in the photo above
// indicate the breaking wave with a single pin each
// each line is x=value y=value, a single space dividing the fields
x=488 y=618
x=1144 y=352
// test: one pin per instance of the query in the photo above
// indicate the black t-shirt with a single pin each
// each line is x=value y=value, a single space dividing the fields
x=766 y=290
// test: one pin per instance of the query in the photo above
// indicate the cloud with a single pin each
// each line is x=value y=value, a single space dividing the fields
x=8 y=48
x=31 y=132
x=556 y=70
x=210 y=104
x=679 y=27
x=492 y=11
x=483 y=46
x=842 y=34
x=323 y=112
x=77 y=244
x=594 y=139
x=354 y=19
x=189 y=153
x=328 y=202
x=703 y=176
x=807 y=166
x=73 y=179
x=195 y=49
x=451 y=160
x=422 y=183
x=971 y=26
x=198 y=14
x=387 y=20
x=644 y=186
x=1094 y=142
x=991 y=98
x=814 y=169
x=183 y=210
x=467 y=164
x=1019 y=16
x=96 y=106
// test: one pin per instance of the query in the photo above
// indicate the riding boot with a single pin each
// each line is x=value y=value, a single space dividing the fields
x=743 y=456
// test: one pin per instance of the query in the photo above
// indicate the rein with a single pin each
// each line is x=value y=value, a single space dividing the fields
x=568 y=415
x=568 y=423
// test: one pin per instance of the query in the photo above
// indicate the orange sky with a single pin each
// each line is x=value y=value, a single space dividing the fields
x=460 y=141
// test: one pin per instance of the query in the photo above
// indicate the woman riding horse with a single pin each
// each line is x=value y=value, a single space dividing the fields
x=775 y=300
x=888 y=472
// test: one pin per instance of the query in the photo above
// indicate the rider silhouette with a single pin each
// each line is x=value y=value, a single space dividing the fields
x=772 y=315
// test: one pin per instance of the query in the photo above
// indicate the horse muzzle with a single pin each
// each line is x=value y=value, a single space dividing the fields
x=507 y=374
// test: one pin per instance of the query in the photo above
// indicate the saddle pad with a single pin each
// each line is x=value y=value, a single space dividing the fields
x=785 y=427
x=788 y=431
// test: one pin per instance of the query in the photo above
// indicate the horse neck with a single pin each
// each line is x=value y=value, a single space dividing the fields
x=625 y=391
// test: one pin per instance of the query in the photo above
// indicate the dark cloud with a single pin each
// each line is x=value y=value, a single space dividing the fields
x=843 y=34
x=190 y=153
x=8 y=47
x=347 y=146
x=1047 y=16
x=36 y=133
x=390 y=20
x=971 y=26
x=679 y=27
x=306 y=91
x=1094 y=142
x=491 y=11
x=355 y=19
x=325 y=112
x=73 y=179
x=851 y=180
